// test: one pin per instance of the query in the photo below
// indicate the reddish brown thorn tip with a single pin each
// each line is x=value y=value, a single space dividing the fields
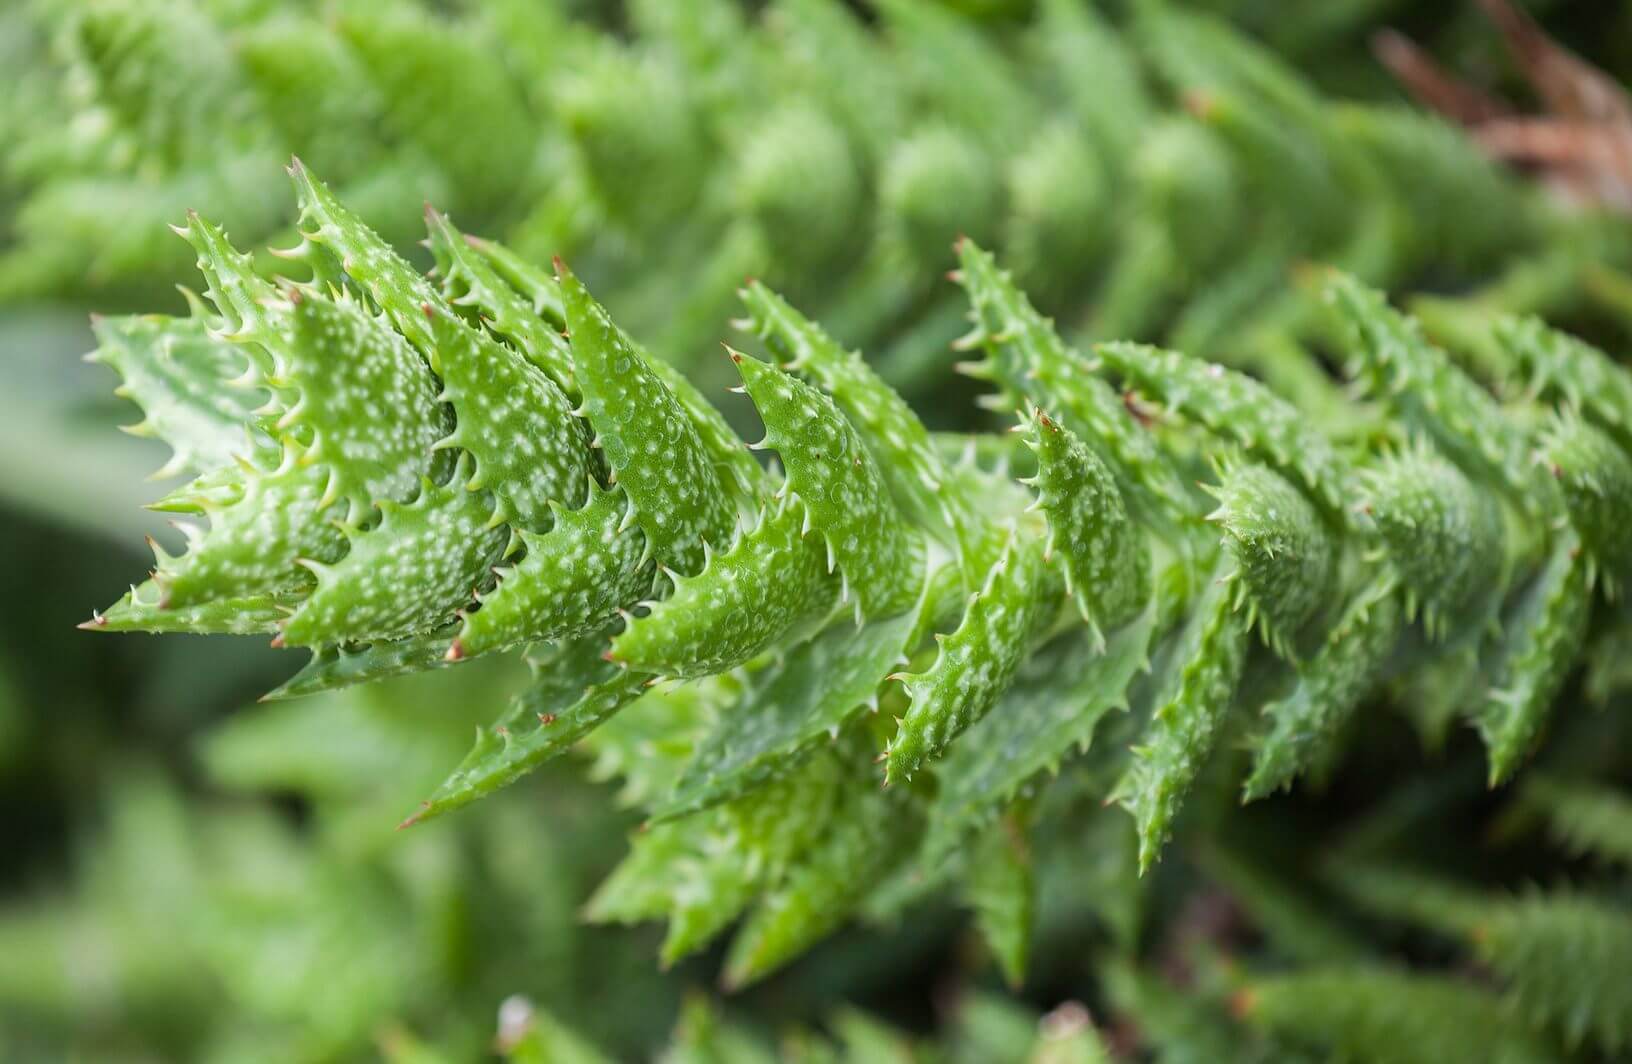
x=546 y=719
x=1201 y=104
x=456 y=651
x=408 y=822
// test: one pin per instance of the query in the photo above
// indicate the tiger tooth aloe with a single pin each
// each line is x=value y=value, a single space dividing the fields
x=401 y=476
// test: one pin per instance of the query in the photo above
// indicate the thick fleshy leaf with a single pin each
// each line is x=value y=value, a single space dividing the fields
x=1557 y=950
x=1027 y=359
x=364 y=403
x=898 y=440
x=795 y=704
x=999 y=885
x=1444 y=536
x=733 y=464
x=441 y=546
x=976 y=663
x=254 y=542
x=869 y=834
x=1327 y=691
x=1058 y=698
x=140 y=611
x=1284 y=553
x=572 y=580
x=1104 y=558
x=247 y=302
x=181 y=376
x=646 y=747
x=1431 y=393
x=1235 y=407
x=1595 y=475
x=1186 y=721
x=743 y=602
x=572 y=693
x=829 y=470
x=334 y=667
x=393 y=285
x=732 y=460
x=1376 y=1012
x=650 y=444
x=1560 y=366
x=470 y=281
x=702 y=871
x=516 y=425
x=1542 y=635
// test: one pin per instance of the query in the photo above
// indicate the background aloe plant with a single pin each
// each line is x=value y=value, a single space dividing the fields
x=1175 y=584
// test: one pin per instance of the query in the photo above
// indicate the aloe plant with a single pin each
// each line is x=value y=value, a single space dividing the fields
x=868 y=655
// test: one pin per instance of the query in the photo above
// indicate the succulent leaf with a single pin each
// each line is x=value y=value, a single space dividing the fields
x=336 y=666
x=574 y=577
x=1235 y=407
x=141 y=610
x=1027 y=359
x=526 y=447
x=651 y=445
x=1444 y=536
x=1329 y=687
x=1432 y=395
x=1187 y=721
x=1595 y=475
x=254 y=542
x=869 y=834
x=1058 y=698
x=1104 y=558
x=833 y=475
x=1542 y=634
x=181 y=376
x=795 y=704
x=893 y=433
x=999 y=886
x=393 y=285
x=1285 y=556
x=1385 y=1014
x=365 y=404
x=571 y=694
x=1561 y=367
x=470 y=280
x=742 y=603
x=975 y=664
x=442 y=544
